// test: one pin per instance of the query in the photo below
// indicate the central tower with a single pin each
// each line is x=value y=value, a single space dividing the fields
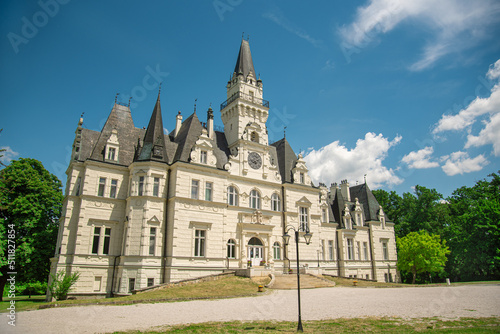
x=245 y=112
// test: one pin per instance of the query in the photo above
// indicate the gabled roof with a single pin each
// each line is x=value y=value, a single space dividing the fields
x=128 y=135
x=244 y=63
x=286 y=159
x=186 y=138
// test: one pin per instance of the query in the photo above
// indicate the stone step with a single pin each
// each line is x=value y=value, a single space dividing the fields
x=286 y=282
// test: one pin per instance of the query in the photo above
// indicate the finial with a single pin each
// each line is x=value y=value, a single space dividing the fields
x=365 y=178
x=243 y=35
x=248 y=38
x=116 y=97
x=284 y=132
x=83 y=113
x=129 y=101
x=195 y=105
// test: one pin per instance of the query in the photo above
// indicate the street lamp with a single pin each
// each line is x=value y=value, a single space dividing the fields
x=286 y=239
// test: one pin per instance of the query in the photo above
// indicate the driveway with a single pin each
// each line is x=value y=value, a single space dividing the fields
x=281 y=305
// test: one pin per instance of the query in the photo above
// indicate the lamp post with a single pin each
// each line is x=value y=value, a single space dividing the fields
x=286 y=239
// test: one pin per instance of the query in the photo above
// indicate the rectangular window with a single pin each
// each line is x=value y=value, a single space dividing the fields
x=385 y=251
x=359 y=250
x=78 y=186
x=203 y=157
x=131 y=284
x=151 y=282
x=140 y=191
x=156 y=186
x=302 y=178
x=199 y=243
x=367 y=276
x=102 y=185
x=323 y=250
x=112 y=189
x=365 y=250
x=111 y=153
x=195 y=184
x=97 y=283
x=107 y=239
x=208 y=191
x=303 y=218
x=330 y=249
x=95 y=243
x=390 y=277
x=152 y=240
x=350 y=249
x=323 y=216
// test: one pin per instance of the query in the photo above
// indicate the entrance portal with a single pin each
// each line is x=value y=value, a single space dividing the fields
x=255 y=251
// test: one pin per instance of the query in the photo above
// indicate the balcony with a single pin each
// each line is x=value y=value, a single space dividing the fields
x=246 y=97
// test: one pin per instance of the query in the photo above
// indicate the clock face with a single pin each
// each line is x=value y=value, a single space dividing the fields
x=254 y=160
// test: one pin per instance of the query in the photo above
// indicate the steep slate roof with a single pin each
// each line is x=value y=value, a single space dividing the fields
x=128 y=135
x=154 y=137
x=366 y=197
x=186 y=138
x=286 y=159
x=244 y=63
x=88 y=141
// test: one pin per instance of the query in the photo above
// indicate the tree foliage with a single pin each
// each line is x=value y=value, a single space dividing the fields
x=30 y=204
x=420 y=252
x=469 y=221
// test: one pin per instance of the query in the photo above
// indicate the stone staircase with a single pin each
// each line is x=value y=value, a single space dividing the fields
x=307 y=281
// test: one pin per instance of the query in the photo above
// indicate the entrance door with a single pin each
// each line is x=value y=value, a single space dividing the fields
x=255 y=251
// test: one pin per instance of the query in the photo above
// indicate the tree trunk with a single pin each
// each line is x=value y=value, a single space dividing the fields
x=414 y=276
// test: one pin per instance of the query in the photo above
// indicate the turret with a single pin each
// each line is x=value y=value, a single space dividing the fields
x=178 y=123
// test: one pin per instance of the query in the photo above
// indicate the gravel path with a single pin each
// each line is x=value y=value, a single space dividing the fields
x=317 y=304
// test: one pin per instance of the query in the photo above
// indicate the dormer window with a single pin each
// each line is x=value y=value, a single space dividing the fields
x=302 y=178
x=203 y=157
x=111 y=153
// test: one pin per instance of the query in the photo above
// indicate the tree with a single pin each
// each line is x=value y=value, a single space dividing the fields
x=61 y=284
x=474 y=234
x=30 y=207
x=420 y=252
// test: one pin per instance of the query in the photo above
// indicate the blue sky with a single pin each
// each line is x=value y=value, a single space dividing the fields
x=405 y=92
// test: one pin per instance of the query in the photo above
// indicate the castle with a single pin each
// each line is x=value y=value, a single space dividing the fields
x=144 y=208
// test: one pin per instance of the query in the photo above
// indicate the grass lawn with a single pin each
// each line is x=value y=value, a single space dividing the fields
x=227 y=287
x=22 y=303
x=356 y=325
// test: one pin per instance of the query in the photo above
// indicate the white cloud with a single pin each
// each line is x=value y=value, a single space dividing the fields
x=335 y=162
x=8 y=154
x=329 y=66
x=277 y=17
x=460 y=163
x=420 y=159
x=455 y=24
x=487 y=109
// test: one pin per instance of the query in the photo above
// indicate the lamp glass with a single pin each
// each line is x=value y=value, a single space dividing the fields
x=286 y=238
x=308 y=237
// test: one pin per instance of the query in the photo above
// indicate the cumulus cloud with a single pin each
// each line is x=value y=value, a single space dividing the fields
x=335 y=161
x=460 y=163
x=7 y=155
x=420 y=159
x=485 y=109
x=455 y=24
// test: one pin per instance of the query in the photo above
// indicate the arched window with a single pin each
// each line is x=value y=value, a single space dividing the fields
x=254 y=199
x=277 y=251
x=231 y=249
x=232 y=196
x=275 y=202
x=254 y=137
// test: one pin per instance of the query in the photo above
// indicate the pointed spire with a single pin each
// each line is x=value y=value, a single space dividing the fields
x=154 y=139
x=244 y=63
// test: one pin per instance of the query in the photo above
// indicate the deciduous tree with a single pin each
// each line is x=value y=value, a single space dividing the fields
x=420 y=252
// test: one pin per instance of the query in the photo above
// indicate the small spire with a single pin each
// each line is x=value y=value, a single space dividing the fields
x=195 y=105
x=116 y=97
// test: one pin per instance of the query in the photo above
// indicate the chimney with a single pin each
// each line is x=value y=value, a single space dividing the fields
x=344 y=190
x=210 y=123
x=178 y=123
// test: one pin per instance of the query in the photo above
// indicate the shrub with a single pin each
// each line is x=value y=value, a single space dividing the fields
x=62 y=283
